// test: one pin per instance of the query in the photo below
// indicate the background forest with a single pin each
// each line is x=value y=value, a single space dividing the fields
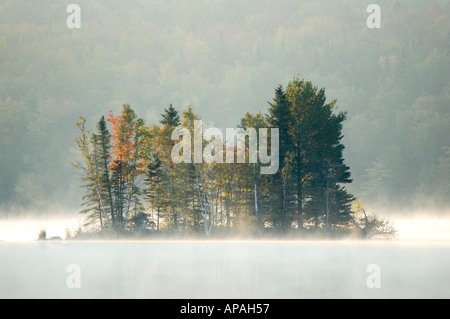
x=226 y=58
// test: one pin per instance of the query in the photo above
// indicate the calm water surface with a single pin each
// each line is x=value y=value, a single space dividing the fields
x=208 y=269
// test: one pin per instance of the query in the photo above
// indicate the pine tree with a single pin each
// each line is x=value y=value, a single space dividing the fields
x=103 y=144
x=163 y=149
x=319 y=167
x=87 y=143
x=188 y=173
x=155 y=187
x=279 y=116
x=299 y=94
x=170 y=117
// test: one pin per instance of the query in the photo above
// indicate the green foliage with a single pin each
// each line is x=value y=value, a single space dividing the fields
x=312 y=169
x=170 y=117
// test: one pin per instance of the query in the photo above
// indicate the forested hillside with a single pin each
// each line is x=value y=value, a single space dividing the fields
x=226 y=58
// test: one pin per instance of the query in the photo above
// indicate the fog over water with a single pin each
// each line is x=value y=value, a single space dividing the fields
x=419 y=227
x=414 y=265
x=224 y=270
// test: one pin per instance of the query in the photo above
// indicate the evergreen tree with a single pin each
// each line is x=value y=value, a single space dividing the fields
x=91 y=199
x=300 y=95
x=89 y=150
x=170 y=117
x=319 y=168
x=279 y=116
x=103 y=145
x=188 y=178
x=155 y=188
x=164 y=144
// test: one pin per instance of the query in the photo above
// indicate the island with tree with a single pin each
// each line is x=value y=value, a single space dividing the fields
x=133 y=188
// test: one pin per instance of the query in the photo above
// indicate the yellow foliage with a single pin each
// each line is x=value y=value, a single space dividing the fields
x=357 y=206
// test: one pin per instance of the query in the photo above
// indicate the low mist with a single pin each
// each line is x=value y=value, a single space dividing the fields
x=418 y=226
x=28 y=228
x=412 y=265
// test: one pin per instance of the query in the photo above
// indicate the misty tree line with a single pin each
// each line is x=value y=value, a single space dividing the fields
x=132 y=185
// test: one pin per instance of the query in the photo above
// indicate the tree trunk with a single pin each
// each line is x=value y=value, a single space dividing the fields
x=299 y=189
x=283 y=199
x=194 y=215
x=228 y=208
x=100 y=216
x=157 y=221
x=255 y=188
x=108 y=183
x=327 y=208
x=170 y=217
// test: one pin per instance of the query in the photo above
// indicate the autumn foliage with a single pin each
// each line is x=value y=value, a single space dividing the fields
x=123 y=136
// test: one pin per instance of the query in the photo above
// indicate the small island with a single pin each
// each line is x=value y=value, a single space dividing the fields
x=139 y=185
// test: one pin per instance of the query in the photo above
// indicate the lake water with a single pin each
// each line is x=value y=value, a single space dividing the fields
x=236 y=269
